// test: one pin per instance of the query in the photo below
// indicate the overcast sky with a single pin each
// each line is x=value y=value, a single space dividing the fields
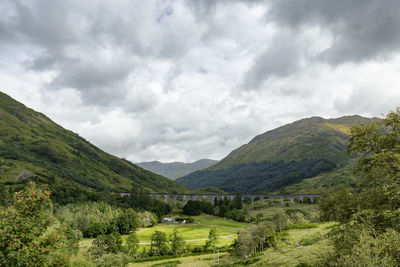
x=183 y=80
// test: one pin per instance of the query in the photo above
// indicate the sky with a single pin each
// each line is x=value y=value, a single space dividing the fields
x=178 y=80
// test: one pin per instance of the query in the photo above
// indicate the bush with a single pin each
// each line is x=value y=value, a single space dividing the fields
x=24 y=236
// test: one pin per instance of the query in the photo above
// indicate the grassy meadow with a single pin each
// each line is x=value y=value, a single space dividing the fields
x=298 y=245
x=301 y=246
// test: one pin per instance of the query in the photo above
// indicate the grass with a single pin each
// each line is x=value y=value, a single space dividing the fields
x=308 y=210
x=197 y=234
x=300 y=246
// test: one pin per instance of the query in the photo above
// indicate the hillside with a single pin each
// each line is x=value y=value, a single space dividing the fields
x=34 y=147
x=281 y=157
x=174 y=170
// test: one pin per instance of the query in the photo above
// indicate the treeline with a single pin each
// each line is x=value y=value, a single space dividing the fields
x=369 y=217
x=99 y=218
x=226 y=208
x=265 y=233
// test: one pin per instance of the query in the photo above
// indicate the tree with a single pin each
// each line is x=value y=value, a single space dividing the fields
x=212 y=240
x=193 y=208
x=281 y=220
x=132 y=243
x=370 y=215
x=177 y=243
x=24 y=236
x=238 y=204
x=158 y=244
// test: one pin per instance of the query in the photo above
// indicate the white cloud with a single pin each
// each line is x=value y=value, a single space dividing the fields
x=179 y=80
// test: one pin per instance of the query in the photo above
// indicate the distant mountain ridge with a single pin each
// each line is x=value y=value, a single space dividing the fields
x=32 y=147
x=174 y=170
x=281 y=157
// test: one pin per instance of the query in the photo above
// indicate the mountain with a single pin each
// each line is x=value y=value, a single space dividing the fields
x=175 y=170
x=282 y=157
x=32 y=147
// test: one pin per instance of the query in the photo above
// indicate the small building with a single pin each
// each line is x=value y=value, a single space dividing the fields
x=167 y=220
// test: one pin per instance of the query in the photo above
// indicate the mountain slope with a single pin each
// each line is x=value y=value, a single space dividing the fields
x=32 y=146
x=175 y=170
x=281 y=157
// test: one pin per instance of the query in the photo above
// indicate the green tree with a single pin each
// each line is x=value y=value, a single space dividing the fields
x=281 y=220
x=24 y=236
x=177 y=243
x=238 y=204
x=212 y=240
x=132 y=243
x=158 y=244
x=370 y=215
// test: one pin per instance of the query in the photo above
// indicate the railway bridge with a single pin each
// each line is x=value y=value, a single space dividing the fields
x=212 y=197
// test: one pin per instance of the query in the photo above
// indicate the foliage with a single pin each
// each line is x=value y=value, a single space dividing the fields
x=132 y=243
x=212 y=240
x=159 y=244
x=98 y=218
x=281 y=220
x=370 y=217
x=141 y=201
x=24 y=236
x=255 y=238
x=147 y=219
x=177 y=243
x=195 y=207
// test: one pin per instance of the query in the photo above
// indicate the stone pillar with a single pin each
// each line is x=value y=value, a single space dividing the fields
x=232 y=198
x=281 y=200
x=213 y=199
x=272 y=200
x=194 y=197
x=252 y=202
x=222 y=197
x=301 y=199
x=312 y=199
x=291 y=200
x=174 y=200
x=262 y=201
x=165 y=199
x=203 y=197
x=183 y=200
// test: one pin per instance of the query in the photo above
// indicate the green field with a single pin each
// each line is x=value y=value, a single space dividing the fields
x=197 y=233
x=300 y=246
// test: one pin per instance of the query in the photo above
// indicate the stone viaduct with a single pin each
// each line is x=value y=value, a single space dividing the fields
x=252 y=197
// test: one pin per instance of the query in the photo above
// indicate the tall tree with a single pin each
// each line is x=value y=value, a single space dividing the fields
x=177 y=243
x=25 y=239
x=212 y=240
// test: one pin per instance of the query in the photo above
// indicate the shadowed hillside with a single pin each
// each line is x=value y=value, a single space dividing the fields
x=34 y=147
x=281 y=157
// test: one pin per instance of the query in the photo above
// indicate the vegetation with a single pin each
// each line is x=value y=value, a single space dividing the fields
x=282 y=157
x=368 y=234
x=32 y=147
x=25 y=235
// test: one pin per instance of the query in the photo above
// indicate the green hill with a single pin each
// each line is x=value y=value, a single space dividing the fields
x=282 y=157
x=34 y=147
x=174 y=170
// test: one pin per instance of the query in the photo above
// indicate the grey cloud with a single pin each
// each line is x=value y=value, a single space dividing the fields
x=73 y=35
x=361 y=29
x=279 y=59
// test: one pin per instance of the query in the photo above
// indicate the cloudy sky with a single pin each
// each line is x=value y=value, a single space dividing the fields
x=182 y=80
